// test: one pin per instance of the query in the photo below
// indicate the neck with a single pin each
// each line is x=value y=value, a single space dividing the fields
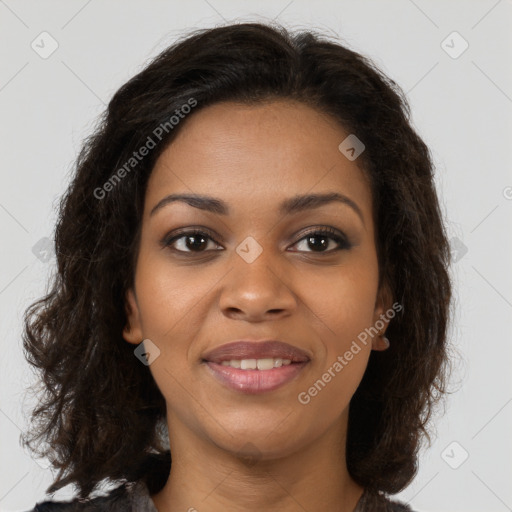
x=206 y=478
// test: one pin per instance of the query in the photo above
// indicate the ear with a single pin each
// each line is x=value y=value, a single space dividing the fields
x=380 y=318
x=132 y=331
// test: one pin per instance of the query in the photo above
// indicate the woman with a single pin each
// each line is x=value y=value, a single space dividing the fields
x=252 y=277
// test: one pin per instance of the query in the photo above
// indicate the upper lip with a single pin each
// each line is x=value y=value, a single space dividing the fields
x=244 y=349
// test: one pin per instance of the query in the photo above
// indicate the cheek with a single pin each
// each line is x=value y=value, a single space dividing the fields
x=341 y=364
x=344 y=302
x=167 y=300
x=172 y=314
x=168 y=307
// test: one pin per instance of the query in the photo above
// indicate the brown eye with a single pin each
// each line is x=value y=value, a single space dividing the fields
x=191 y=242
x=323 y=240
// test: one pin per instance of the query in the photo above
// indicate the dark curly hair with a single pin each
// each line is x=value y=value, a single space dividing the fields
x=100 y=410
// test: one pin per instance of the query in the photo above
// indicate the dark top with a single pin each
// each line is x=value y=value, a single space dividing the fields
x=136 y=498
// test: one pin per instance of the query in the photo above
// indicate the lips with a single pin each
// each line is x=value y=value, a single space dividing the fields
x=244 y=349
x=254 y=367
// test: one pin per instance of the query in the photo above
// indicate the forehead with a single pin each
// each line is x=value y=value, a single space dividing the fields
x=267 y=152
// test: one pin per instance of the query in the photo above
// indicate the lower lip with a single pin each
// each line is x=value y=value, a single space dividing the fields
x=255 y=381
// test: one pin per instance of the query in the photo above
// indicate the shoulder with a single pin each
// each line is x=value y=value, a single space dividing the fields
x=373 y=502
x=125 y=498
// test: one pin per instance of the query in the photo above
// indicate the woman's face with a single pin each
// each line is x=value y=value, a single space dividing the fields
x=259 y=274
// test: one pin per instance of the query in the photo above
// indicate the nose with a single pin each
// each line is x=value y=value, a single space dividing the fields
x=259 y=290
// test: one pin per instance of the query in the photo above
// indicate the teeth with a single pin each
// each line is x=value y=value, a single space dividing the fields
x=260 y=364
x=248 y=364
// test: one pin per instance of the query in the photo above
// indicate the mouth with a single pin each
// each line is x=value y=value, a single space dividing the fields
x=255 y=367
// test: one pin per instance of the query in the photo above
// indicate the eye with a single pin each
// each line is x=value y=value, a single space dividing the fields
x=191 y=241
x=320 y=239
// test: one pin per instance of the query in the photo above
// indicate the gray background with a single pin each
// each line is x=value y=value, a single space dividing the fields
x=461 y=105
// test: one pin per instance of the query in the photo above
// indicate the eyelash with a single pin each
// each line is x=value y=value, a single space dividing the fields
x=333 y=234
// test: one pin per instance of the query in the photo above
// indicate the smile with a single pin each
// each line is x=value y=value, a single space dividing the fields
x=257 y=364
x=254 y=376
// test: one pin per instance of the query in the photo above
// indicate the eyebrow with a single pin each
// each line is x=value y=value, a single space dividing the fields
x=295 y=204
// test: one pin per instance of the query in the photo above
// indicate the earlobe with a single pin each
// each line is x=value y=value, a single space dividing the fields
x=132 y=331
x=380 y=343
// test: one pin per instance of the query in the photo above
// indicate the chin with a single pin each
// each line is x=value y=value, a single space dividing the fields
x=259 y=440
